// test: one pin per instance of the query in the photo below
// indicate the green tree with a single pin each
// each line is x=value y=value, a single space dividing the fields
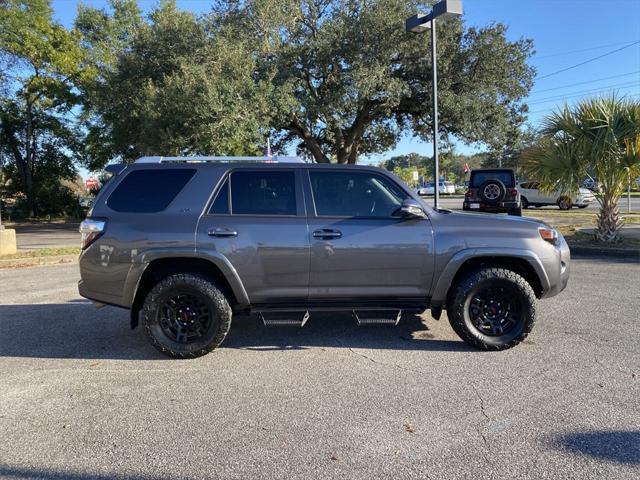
x=41 y=64
x=598 y=136
x=356 y=81
x=176 y=85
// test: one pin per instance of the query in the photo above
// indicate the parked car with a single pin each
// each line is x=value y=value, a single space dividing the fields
x=532 y=196
x=445 y=188
x=187 y=243
x=592 y=185
x=493 y=190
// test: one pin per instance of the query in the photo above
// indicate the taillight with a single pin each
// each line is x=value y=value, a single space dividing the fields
x=514 y=192
x=92 y=229
x=469 y=193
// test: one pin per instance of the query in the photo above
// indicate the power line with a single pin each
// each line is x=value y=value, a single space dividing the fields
x=588 y=81
x=585 y=49
x=549 y=109
x=584 y=92
x=589 y=60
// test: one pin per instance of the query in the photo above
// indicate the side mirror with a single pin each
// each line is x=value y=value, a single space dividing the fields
x=412 y=209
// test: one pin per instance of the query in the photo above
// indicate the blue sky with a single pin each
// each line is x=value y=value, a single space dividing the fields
x=565 y=33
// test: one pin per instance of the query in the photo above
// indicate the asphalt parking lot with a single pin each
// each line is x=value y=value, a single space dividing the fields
x=84 y=397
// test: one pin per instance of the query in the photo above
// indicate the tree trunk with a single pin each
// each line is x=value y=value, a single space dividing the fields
x=608 y=221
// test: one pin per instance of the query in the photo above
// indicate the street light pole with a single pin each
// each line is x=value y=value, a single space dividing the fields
x=434 y=80
x=417 y=24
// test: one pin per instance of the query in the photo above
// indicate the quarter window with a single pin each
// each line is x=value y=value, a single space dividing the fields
x=355 y=194
x=263 y=193
x=147 y=191
x=221 y=203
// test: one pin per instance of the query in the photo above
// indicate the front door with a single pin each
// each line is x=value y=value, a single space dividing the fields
x=257 y=222
x=360 y=246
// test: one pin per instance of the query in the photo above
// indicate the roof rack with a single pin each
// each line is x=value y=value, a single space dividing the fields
x=195 y=159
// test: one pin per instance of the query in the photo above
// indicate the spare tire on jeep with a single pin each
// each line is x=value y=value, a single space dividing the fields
x=492 y=191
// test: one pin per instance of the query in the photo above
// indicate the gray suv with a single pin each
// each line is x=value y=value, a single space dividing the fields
x=186 y=243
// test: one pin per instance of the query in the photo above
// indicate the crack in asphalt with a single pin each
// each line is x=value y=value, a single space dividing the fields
x=479 y=427
x=377 y=362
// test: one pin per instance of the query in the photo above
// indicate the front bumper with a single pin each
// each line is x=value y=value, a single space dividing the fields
x=558 y=268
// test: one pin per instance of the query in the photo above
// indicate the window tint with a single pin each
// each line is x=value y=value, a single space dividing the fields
x=263 y=193
x=478 y=178
x=148 y=190
x=221 y=203
x=355 y=194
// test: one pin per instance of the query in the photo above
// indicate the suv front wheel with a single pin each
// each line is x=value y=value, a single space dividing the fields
x=492 y=308
x=186 y=316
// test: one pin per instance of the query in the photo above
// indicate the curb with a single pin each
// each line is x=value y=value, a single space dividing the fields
x=597 y=252
x=37 y=261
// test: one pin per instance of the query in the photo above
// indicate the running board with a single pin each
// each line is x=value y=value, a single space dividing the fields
x=284 y=319
x=377 y=317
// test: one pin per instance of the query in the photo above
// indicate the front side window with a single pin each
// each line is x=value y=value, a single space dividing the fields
x=263 y=193
x=355 y=194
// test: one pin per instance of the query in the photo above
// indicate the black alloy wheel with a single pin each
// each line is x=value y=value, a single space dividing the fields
x=495 y=310
x=184 y=317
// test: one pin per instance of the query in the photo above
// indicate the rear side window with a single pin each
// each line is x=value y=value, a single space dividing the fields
x=355 y=194
x=478 y=178
x=148 y=191
x=263 y=193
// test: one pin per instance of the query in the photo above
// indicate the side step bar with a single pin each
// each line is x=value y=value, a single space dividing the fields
x=377 y=317
x=284 y=319
x=298 y=318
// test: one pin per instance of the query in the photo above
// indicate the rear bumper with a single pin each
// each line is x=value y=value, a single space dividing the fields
x=485 y=207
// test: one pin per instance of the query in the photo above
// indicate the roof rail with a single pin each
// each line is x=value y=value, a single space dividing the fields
x=195 y=159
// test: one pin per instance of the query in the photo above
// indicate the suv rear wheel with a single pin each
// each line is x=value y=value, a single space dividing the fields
x=186 y=316
x=492 y=308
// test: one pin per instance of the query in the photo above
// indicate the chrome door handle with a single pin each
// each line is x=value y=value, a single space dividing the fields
x=221 y=232
x=326 y=234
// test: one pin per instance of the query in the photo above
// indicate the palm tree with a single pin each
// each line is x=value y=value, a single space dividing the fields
x=598 y=137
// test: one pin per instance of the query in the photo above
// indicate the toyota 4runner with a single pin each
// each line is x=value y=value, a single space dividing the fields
x=186 y=243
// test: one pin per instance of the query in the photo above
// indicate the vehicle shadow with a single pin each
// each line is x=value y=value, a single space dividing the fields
x=338 y=330
x=34 y=473
x=621 y=446
x=78 y=330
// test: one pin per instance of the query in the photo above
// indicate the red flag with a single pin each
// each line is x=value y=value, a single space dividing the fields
x=466 y=168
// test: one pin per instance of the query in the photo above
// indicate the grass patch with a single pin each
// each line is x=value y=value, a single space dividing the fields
x=573 y=236
x=42 y=252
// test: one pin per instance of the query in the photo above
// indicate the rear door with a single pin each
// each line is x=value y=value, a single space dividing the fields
x=257 y=222
x=361 y=249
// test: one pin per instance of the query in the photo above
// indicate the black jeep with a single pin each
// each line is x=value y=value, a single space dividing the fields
x=493 y=190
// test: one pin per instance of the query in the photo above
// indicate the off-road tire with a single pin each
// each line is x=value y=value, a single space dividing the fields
x=460 y=299
x=516 y=212
x=192 y=284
